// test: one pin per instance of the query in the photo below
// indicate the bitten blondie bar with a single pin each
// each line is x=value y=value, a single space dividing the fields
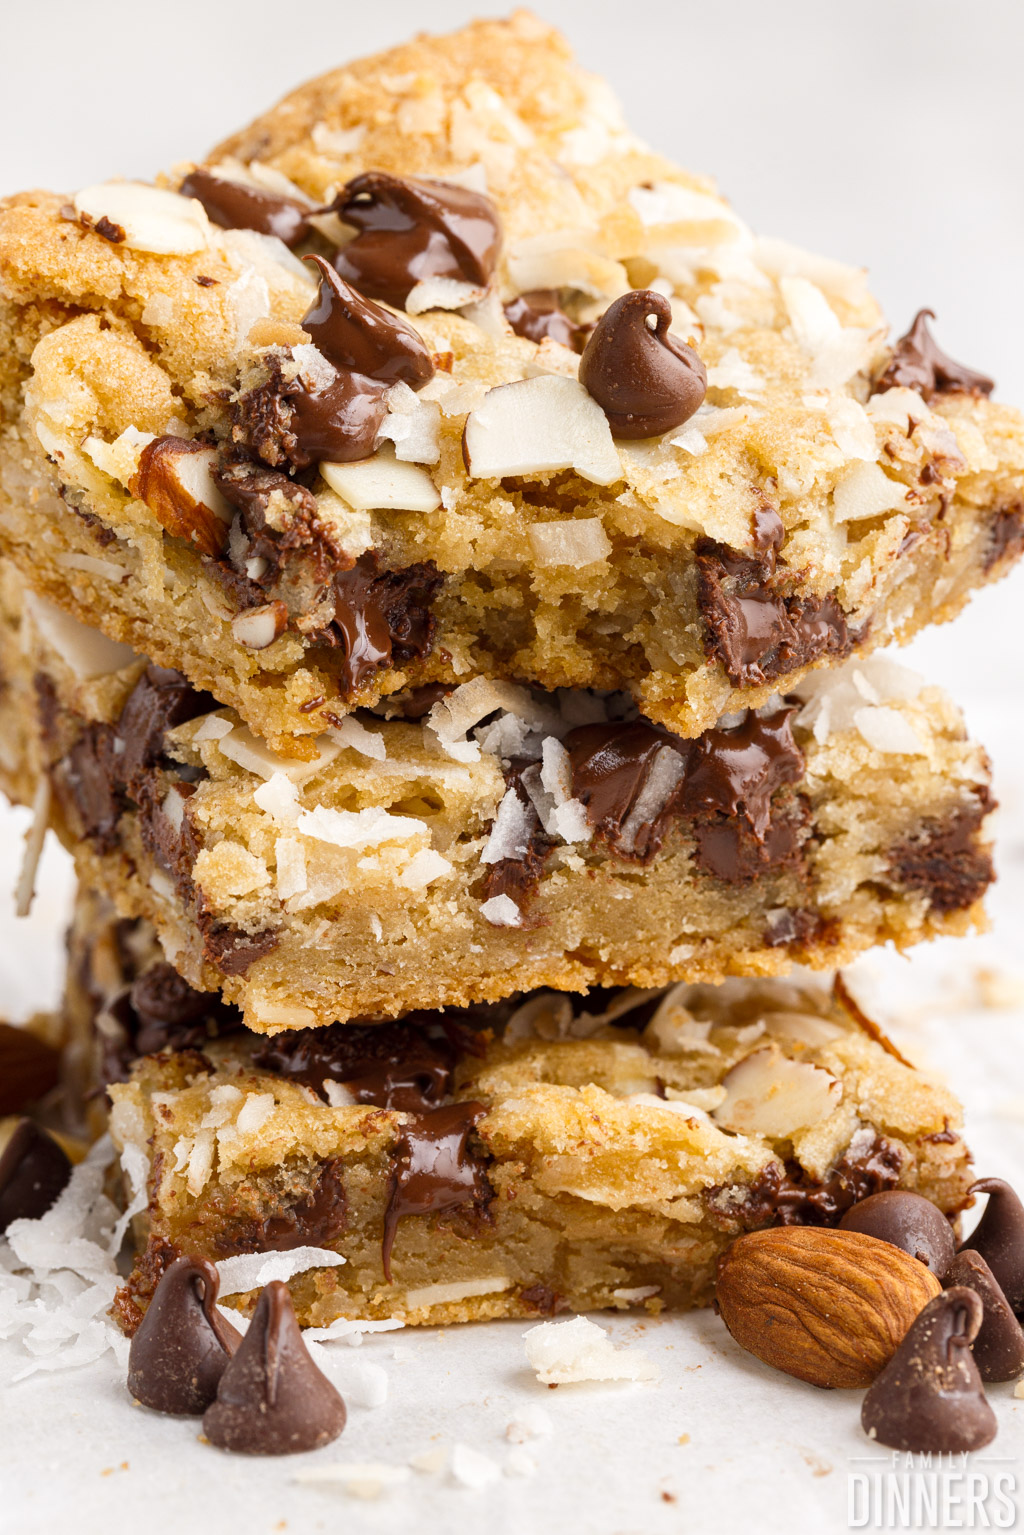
x=307 y=485
x=503 y=839
x=541 y=1155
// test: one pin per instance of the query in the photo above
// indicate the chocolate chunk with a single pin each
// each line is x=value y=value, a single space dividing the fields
x=788 y=1196
x=999 y=1237
x=392 y=1065
x=29 y=1067
x=999 y=1347
x=793 y=929
x=538 y=316
x=1006 y=540
x=906 y=1220
x=33 y=1171
x=232 y=950
x=160 y=1012
x=413 y=230
x=756 y=632
x=354 y=333
x=278 y=549
x=434 y=1171
x=645 y=379
x=917 y=363
x=272 y=1399
x=414 y=703
x=944 y=862
x=518 y=876
x=736 y=770
x=730 y=850
x=383 y=616
x=299 y=420
x=929 y=1397
x=312 y=1220
x=611 y=769
x=160 y=700
x=237 y=205
x=183 y=1344
x=90 y=776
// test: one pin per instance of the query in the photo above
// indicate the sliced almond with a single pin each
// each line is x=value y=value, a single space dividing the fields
x=175 y=479
x=537 y=426
x=768 y=1094
x=144 y=218
x=383 y=484
x=259 y=627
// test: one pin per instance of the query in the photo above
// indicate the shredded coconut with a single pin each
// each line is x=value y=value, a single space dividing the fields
x=578 y=1350
x=501 y=911
x=251 y=1271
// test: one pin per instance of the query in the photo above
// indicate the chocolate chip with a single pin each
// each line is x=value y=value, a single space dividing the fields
x=33 y=1171
x=735 y=770
x=612 y=766
x=434 y=1171
x=237 y=205
x=272 y=1399
x=999 y=1347
x=232 y=950
x=29 y=1068
x=538 y=316
x=354 y=333
x=413 y=230
x=999 y=1237
x=906 y=1220
x=929 y=1397
x=917 y=363
x=1006 y=539
x=183 y=1344
x=645 y=379
x=160 y=700
x=300 y=421
x=943 y=861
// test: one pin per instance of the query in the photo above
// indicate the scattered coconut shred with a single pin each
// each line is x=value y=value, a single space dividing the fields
x=59 y=1275
x=562 y=1353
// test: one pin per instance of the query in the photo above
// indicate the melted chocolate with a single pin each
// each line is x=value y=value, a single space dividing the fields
x=645 y=379
x=789 y=1197
x=756 y=632
x=999 y=1237
x=725 y=785
x=316 y=1217
x=412 y=230
x=929 y=1397
x=29 y=1067
x=383 y=616
x=183 y=1344
x=237 y=205
x=33 y=1172
x=1006 y=539
x=908 y=1221
x=434 y=1172
x=289 y=422
x=393 y=1065
x=918 y=363
x=272 y=1399
x=944 y=860
x=160 y=700
x=999 y=1347
x=538 y=316
x=354 y=333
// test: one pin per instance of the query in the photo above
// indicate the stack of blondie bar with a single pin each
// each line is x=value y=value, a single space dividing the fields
x=444 y=552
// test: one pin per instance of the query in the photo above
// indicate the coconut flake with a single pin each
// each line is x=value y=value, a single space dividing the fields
x=360 y=1479
x=667 y=771
x=887 y=730
x=575 y=542
x=251 y=1271
x=442 y=293
x=501 y=911
x=530 y=1422
x=368 y=743
x=338 y=1095
x=91 y=565
x=423 y=869
x=471 y=1468
x=279 y=797
x=358 y=828
x=510 y=831
x=35 y=837
x=578 y=1350
x=865 y=490
x=290 y=861
x=254 y=756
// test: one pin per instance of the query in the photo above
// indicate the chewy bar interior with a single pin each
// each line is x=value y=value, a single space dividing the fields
x=504 y=839
x=540 y=1155
x=541 y=407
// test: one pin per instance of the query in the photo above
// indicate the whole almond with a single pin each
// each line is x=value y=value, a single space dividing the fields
x=29 y=1067
x=174 y=478
x=830 y=1307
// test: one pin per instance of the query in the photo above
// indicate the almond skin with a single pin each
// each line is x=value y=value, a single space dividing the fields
x=830 y=1307
x=173 y=478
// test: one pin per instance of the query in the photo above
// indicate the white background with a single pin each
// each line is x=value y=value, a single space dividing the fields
x=887 y=133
